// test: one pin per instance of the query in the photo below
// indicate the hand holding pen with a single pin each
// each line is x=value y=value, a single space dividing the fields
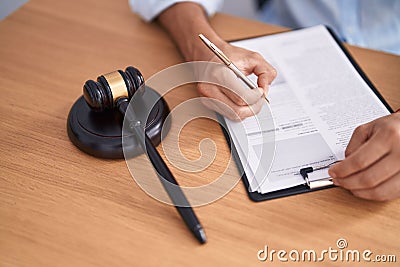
x=241 y=62
x=184 y=21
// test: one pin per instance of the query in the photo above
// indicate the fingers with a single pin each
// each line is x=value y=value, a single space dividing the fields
x=240 y=101
x=263 y=70
x=265 y=73
x=373 y=176
x=360 y=135
x=240 y=94
x=242 y=98
x=388 y=190
x=221 y=103
x=367 y=154
x=371 y=169
x=230 y=85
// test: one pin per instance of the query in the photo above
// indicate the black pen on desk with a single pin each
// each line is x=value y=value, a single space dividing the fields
x=172 y=187
x=229 y=63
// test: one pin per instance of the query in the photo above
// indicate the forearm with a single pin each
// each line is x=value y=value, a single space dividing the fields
x=184 y=22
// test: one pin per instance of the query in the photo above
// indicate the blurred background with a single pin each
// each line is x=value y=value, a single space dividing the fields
x=235 y=7
x=372 y=24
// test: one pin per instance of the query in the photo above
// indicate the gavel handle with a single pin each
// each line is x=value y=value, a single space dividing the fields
x=164 y=174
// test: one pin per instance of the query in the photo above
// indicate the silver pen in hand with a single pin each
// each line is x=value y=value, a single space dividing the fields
x=229 y=63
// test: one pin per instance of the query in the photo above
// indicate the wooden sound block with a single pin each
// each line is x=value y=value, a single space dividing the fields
x=100 y=133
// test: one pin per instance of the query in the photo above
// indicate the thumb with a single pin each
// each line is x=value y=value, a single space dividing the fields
x=360 y=135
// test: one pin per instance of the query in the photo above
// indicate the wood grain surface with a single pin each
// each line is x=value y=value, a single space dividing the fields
x=61 y=207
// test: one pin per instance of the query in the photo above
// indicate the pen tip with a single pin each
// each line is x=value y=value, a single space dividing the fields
x=201 y=235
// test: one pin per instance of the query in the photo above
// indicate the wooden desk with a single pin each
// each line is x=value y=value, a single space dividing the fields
x=60 y=207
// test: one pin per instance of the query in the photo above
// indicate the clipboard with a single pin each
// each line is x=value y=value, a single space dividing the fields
x=307 y=186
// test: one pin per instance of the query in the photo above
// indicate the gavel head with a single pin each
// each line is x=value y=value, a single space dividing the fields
x=102 y=95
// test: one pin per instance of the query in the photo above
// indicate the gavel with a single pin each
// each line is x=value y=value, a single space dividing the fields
x=114 y=91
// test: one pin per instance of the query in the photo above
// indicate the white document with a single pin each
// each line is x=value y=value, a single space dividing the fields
x=317 y=101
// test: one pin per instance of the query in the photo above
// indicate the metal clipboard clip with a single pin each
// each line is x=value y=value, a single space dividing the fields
x=323 y=182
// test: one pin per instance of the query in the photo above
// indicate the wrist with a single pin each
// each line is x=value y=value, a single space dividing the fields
x=184 y=22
